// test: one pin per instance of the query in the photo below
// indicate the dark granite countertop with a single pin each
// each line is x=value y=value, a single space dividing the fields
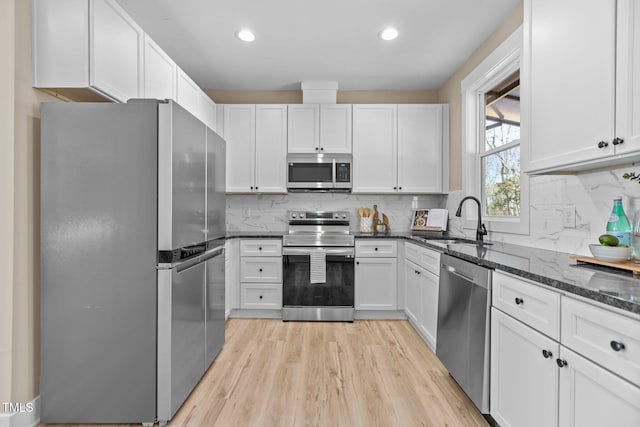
x=554 y=269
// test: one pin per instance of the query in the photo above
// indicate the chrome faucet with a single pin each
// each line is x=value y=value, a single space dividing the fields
x=481 y=230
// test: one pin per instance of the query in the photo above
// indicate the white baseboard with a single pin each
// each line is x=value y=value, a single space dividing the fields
x=22 y=419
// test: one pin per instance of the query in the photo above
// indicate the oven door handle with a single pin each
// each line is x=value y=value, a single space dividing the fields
x=329 y=251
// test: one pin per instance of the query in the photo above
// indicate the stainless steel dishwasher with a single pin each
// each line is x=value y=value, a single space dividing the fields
x=463 y=344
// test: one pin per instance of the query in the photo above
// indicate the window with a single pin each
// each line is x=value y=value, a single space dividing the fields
x=492 y=138
x=500 y=154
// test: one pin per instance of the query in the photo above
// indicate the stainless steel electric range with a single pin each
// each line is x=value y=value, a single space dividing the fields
x=318 y=267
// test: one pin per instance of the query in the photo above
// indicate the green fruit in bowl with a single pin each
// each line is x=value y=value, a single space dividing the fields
x=608 y=240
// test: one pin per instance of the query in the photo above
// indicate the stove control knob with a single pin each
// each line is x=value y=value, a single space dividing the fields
x=302 y=215
x=344 y=216
x=293 y=215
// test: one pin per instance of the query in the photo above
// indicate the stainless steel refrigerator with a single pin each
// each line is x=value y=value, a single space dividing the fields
x=132 y=259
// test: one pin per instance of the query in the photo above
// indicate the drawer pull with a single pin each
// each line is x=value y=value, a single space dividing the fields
x=547 y=354
x=260 y=297
x=561 y=363
x=617 y=346
x=519 y=301
x=260 y=270
x=260 y=248
x=375 y=249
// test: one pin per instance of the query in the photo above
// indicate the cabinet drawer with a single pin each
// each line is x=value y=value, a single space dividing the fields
x=607 y=338
x=528 y=302
x=261 y=247
x=377 y=248
x=423 y=257
x=261 y=296
x=261 y=269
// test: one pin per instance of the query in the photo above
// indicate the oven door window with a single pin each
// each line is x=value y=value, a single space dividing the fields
x=299 y=291
x=310 y=172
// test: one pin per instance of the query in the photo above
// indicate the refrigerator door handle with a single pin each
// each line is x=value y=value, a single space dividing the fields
x=185 y=265
x=212 y=253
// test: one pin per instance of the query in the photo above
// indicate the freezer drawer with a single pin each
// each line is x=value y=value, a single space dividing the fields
x=215 y=308
x=181 y=335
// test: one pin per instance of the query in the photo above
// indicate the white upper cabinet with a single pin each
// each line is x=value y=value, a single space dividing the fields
x=583 y=83
x=420 y=148
x=159 y=72
x=628 y=77
x=335 y=128
x=271 y=148
x=256 y=138
x=115 y=51
x=400 y=148
x=91 y=50
x=240 y=134
x=92 y=45
x=319 y=128
x=191 y=97
x=375 y=148
x=304 y=128
x=187 y=92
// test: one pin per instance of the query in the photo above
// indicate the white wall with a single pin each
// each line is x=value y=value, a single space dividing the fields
x=591 y=193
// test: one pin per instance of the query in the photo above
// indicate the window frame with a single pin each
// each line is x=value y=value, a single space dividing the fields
x=503 y=61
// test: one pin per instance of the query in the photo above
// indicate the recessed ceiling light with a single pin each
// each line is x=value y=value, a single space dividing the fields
x=245 y=35
x=388 y=34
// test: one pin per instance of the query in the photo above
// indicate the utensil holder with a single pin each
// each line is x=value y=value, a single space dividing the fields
x=366 y=225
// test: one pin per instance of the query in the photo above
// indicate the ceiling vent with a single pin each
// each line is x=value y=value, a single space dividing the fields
x=319 y=92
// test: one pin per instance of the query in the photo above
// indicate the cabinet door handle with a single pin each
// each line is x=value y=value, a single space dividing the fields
x=561 y=363
x=519 y=301
x=399 y=188
x=617 y=345
x=252 y=187
x=395 y=188
x=547 y=354
x=321 y=148
x=417 y=272
x=357 y=262
x=603 y=144
x=617 y=141
x=316 y=148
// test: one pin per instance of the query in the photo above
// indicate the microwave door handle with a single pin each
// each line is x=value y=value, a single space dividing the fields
x=333 y=172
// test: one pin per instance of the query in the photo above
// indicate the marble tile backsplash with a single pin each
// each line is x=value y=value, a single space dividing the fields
x=591 y=193
x=268 y=212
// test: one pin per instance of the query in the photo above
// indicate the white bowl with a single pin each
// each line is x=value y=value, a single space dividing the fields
x=610 y=253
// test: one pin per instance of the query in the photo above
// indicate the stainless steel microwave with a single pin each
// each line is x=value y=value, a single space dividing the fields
x=319 y=172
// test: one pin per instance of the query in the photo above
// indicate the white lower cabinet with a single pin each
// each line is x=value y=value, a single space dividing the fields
x=375 y=284
x=376 y=271
x=421 y=287
x=541 y=380
x=260 y=274
x=524 y=380
x=412 y=292
x=422 y=281
x=591 y=396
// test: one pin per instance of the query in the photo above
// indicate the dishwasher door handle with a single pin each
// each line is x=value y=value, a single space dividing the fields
x=457 y=273
x=452 y=270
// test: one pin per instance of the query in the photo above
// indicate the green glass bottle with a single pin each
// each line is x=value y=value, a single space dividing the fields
x=618 y=224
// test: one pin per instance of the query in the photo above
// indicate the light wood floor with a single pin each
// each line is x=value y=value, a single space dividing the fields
x=366 y=373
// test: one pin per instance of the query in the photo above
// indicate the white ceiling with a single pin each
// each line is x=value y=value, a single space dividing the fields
x=319 y=40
